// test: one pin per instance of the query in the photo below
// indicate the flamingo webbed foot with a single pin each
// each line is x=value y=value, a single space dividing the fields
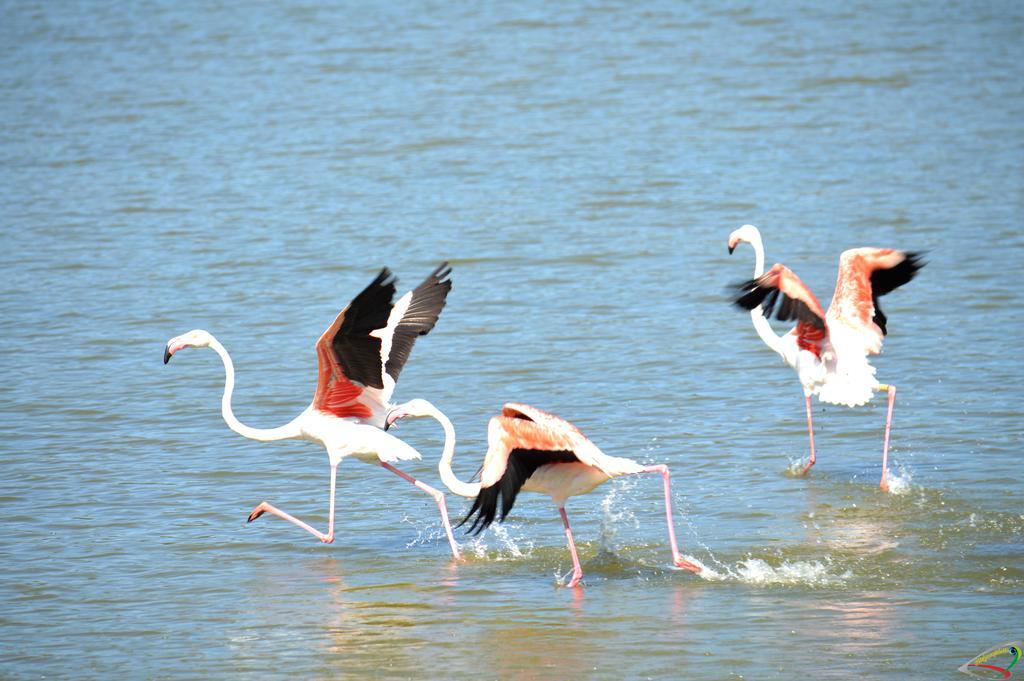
x=575 y=577
x=687 y=565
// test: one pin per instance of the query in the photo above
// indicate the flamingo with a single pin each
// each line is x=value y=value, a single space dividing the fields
x=534 y=451
x=829 y=350
x=360 y=357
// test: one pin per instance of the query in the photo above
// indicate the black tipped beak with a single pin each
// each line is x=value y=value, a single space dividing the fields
x=731 y=249
x=388 y=421
x=167 y=354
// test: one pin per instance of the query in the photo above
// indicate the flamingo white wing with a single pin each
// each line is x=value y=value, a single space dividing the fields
x=373 y=444
x=414 y=315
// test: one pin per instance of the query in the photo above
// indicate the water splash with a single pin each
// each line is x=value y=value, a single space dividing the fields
x=899 y=480
x=813 y=573
x=430 y=533
x=426 y=533
x=760 y=572
x=562 y=580
x=707 y=573
x=796 y=466
x=510 y=546
x=613 y=514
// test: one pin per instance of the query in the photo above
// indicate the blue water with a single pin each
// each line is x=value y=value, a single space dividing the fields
x=248 y=169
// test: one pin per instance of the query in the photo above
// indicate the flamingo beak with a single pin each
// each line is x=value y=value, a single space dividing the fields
x=731 y=249
x=392 y=418
x=172 y=347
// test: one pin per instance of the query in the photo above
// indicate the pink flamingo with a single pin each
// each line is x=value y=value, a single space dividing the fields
x=829 y=350
x=534 y=451
x=361 y=355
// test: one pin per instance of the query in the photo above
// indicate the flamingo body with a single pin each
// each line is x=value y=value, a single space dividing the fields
x=349 y=436
x=562 y=480
x=534 y=451
x=360 y=357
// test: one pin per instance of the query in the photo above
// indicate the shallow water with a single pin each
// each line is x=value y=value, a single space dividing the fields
x=247 y=170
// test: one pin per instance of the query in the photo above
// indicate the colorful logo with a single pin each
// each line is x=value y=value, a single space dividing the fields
x=995 y=663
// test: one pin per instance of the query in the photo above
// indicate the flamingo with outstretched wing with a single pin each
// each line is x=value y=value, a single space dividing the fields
x=829 y=350
x=360 y=358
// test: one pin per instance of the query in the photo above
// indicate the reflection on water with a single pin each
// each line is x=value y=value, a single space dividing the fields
x=871 y=620
x=535 y=652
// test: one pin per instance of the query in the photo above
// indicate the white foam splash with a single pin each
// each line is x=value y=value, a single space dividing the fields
x=899 y=480
x=478 y=546
x=509 y=543
x=563 y=580
x=759 y=572
x=510 y=547
x=814 y=572
x=796 y=466
x=707 y=573
x=613 y=514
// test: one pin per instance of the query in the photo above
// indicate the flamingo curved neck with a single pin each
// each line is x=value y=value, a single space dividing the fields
x=761 y=325
x=289 y=430
x=758 y=246
x=444 y=467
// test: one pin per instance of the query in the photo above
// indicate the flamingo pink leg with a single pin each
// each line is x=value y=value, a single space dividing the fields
x=438 y=496
x=810 y=434
x=577 y=571
x=885 y=446
x=264 y=507
x=677 y=558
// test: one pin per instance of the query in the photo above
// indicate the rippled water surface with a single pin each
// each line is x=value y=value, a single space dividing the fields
x=247 y=169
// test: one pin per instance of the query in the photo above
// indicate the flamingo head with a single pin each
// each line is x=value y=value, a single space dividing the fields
x=747 y=233
x=197 y=338
x=415 y=408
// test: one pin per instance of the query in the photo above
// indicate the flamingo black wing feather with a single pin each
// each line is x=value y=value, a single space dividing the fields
x=885 y=280
x=357 y=351
x=427 y=301
x=763 y=292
